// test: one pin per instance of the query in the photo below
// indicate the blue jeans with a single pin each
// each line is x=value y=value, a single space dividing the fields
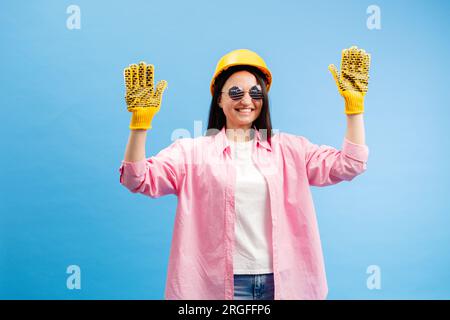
x=254 y=286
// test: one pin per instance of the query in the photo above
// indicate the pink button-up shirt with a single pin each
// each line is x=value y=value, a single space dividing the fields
x=201 y=172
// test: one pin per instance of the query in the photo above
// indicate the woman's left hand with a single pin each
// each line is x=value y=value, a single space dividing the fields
x=354 y=77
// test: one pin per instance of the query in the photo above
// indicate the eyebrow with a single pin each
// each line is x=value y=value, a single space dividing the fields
x=235 y=85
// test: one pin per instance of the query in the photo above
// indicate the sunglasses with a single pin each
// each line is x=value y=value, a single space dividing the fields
x=236 y=93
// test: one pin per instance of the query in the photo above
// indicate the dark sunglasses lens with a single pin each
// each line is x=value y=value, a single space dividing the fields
x=235 y=93
x=256 y=93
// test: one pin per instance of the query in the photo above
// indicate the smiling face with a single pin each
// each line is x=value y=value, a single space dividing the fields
x=241 y=113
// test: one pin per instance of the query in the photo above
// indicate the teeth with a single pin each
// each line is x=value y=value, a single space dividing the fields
x=244 y=110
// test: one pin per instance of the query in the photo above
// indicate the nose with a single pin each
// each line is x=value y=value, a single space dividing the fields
x=246 y=99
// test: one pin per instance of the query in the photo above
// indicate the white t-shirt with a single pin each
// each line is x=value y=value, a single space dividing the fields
x=253 y=225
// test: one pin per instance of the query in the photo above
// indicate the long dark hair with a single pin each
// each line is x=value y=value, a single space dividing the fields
x=217 y=118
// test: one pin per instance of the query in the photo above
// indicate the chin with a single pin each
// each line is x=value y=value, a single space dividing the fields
x=245 y=123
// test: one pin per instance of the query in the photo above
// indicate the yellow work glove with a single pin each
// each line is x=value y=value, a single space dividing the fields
x=141 y=98
x=354 y=77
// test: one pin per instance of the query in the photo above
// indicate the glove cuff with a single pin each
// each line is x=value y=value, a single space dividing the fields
x=141 y=119
x=354 y=102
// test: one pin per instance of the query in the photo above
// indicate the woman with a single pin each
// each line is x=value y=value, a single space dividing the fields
x=245 y=225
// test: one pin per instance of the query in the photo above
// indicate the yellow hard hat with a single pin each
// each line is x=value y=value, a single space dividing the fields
x=241 y=57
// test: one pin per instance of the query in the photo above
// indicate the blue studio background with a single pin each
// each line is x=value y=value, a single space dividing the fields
x=65 y=128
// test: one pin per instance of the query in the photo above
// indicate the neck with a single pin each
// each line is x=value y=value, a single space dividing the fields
x=239 y=134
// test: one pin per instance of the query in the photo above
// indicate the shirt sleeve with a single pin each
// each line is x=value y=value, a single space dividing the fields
x=156 y=176
x=325 y=165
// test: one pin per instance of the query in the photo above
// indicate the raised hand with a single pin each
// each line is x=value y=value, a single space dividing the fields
x=353 y=79
x=141 y=98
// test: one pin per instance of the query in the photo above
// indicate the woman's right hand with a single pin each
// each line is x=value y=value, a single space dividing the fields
x=141 y=97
